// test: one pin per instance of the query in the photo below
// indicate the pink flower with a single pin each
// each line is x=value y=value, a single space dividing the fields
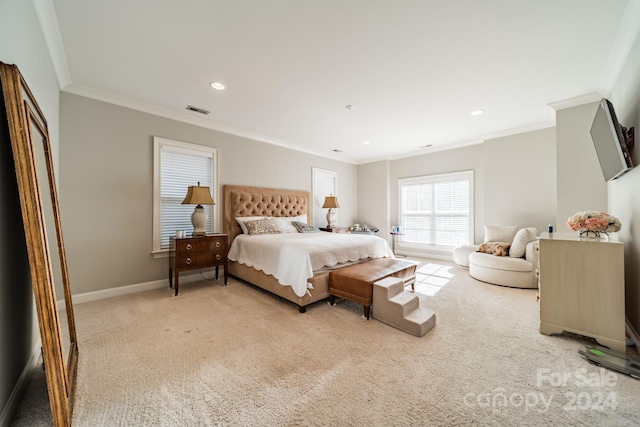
x=600 y=222
x=596 y=224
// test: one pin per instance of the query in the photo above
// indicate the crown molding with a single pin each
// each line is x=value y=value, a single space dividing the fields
x=185 y=117
x=46 y=15
x=576 y=101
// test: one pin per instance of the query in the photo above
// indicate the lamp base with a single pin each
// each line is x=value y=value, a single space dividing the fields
x=199 y=221
x=331 y=218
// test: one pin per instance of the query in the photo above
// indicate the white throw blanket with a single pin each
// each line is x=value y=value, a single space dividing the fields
x=293 y=257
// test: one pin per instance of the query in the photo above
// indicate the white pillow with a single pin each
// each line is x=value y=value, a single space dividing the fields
x=300 y=218
x=499 y=233
x=242 y=219
x=519 y=245
x=283 y=224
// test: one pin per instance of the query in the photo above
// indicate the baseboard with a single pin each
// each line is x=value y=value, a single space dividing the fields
x=18 y=391
x=129 y=289
x=633 y=334
x=427 y=255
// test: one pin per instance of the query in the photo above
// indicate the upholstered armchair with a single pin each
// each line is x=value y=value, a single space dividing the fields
x=507 y=257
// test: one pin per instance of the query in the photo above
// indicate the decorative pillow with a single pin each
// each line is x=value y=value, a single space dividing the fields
x=261 y=226
x=242 y=219
x=284 y=223
x=495 y=248
x=500 y=233
x=519 y=245
x=305 y=228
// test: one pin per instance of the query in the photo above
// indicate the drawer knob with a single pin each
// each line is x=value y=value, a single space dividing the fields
x=188 y=261
x=217 y=244
x=189 y=246
x=218 y=257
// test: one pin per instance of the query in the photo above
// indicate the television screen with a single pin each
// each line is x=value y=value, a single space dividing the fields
x=609 y=139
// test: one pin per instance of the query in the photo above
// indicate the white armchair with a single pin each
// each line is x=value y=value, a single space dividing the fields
x=518 y=269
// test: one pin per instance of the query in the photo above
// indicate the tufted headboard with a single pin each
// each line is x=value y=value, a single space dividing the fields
x=253 y=201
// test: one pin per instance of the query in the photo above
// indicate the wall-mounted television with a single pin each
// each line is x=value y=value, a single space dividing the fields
x=612 y=141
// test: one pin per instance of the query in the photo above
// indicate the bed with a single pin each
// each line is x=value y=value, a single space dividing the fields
x=243 y=201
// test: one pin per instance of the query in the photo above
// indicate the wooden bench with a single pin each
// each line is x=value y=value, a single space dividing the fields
x=355 y=282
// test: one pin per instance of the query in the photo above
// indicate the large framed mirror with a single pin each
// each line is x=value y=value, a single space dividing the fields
x=43 y=231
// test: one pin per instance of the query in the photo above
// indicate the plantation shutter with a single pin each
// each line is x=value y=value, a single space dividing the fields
x=436 y=210
x=179 y=169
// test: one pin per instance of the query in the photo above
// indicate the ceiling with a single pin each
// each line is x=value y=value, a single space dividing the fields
x=413 y=70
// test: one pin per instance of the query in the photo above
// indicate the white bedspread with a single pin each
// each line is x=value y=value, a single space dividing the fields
x=293 y=257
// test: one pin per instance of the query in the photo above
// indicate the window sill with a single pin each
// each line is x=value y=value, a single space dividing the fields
x=162 y=253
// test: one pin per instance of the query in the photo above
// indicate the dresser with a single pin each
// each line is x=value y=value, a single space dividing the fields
x=191 y=253
x=582 y=287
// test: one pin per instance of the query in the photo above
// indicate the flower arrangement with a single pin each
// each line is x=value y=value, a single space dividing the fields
x=594 y=222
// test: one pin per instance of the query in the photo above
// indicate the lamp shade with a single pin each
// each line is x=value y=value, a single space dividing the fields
x=197 y=195
x=331 y=202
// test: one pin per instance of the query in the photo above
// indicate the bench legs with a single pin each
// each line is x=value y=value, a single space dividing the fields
x=367 y=311
x=367 y=308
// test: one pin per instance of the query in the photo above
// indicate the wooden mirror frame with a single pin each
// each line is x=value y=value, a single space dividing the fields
x=23 y=118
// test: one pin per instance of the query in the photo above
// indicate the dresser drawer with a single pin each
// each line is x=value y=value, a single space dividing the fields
x=198 y=260
x=216 y=245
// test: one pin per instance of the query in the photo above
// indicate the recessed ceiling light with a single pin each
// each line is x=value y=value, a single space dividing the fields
x=476 y=112
x=217 y=85
x=366 y=142
x=425 y=146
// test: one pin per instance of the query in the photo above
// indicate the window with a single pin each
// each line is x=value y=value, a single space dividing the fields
x=436 y=210
x=176 y=166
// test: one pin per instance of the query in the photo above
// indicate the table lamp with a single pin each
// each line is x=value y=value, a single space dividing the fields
x=197 y=195
x=330 y=202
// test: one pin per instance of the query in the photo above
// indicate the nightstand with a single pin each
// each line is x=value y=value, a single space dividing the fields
x=191 y=253
x=394 y=236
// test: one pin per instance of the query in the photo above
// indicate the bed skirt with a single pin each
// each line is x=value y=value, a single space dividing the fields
x=269 y=283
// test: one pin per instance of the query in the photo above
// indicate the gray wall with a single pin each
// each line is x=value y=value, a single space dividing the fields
x=514 y=179
x=580 y=185
x=21 y=43
x=624 y=192
x=106 y=188
x=373 y=196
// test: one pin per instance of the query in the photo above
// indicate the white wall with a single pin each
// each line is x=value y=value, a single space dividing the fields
x=373 y=196
x=519 y=180
x=106 y=189
x=514 y=179
x=624 y=192
x=581 y=185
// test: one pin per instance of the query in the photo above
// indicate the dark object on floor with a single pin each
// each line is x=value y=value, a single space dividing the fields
x=610 y=359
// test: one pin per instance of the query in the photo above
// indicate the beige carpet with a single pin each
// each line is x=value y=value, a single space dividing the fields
x=236 y=356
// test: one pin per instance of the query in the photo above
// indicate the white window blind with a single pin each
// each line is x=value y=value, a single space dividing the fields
x=178 y=165
x=437 y=210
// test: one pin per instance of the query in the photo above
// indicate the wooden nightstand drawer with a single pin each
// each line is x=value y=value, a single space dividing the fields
x=200 y=260
x=201 y=244
x=191 y=253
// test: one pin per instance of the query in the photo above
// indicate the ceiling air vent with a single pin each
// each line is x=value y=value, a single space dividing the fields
x=197 y=110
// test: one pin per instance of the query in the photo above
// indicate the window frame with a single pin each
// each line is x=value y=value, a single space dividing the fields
x=187 y=147
x=429 y=179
